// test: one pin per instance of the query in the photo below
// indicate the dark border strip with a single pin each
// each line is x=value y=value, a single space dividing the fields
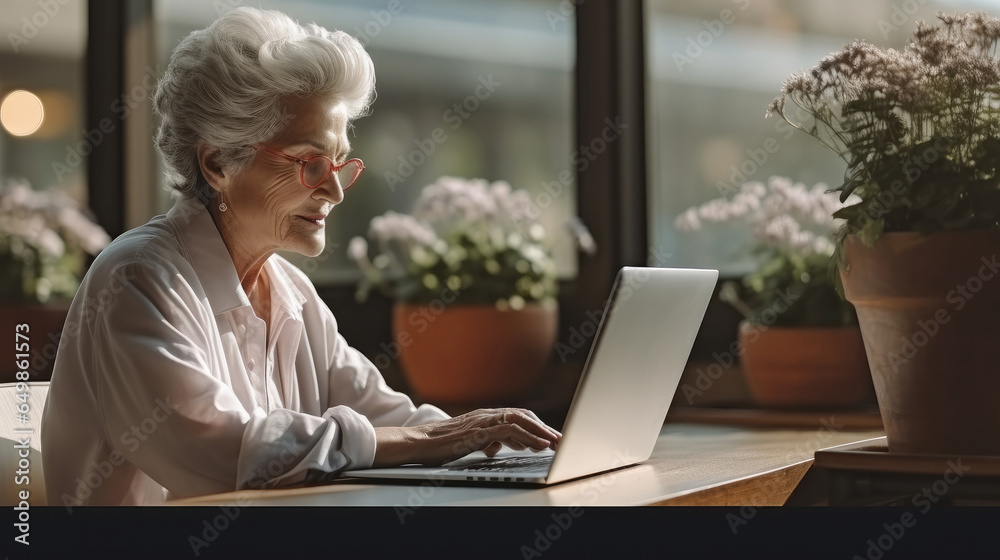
x=104 y=83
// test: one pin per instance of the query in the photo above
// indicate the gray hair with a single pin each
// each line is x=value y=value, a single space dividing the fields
x=224 y=87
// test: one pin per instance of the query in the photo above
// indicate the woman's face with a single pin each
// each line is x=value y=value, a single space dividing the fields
x=272 y=208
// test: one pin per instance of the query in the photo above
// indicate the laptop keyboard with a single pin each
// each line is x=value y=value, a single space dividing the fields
x=508 y=464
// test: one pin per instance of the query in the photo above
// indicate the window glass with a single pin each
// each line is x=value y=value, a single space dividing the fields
x=469 y=89
x=42 y=65
x=714 y=66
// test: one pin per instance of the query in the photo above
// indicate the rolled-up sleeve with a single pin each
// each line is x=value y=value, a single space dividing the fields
x=283 y=446
x=168 y=408
x=355 y=382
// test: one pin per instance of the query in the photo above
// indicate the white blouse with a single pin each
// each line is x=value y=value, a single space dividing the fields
x=164 y=385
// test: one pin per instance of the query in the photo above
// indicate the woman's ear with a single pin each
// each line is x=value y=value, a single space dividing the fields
x=211 y=170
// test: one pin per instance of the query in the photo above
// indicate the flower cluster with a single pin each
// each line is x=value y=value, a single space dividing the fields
x=939 y=62
x=43 y=237
x=789 y=217
x=793 y=229
x=451 y=201
x=480 y=241
x=917 y=128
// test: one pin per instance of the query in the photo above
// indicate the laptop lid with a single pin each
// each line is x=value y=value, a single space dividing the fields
x=643 y=341
x=633 y=370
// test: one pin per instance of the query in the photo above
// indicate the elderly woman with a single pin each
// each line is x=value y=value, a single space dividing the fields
x=196 y=360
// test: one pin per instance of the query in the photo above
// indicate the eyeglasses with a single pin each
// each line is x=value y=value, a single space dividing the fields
x=316 y=169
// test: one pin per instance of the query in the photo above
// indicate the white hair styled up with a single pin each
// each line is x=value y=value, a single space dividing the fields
x=224 y=87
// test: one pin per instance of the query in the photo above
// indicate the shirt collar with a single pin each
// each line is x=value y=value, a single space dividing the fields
x=214 y=265
x=284 y=293
x=208 y=254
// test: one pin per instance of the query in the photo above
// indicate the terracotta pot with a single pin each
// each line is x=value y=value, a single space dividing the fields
x=473 y=353
x=45 y=323
x=805 y=367
x=928 y=308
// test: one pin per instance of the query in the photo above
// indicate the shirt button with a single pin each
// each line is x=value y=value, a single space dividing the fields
x=251 y=363
x=252 y=331
x=243 y=330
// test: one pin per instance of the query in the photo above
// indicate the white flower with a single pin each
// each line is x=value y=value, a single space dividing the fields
x=91 y=237
x=823 y=246
x=393 y=226
x=783 y=214
x=584 y=240
x=501 y=191
x=47 y=219
x=49 y=242
x=534 y=253
x=688 y=221
x=463 y=224
x=754 y=188
x=357 y=249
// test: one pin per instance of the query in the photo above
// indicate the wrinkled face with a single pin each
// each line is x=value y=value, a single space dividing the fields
x=274 y=210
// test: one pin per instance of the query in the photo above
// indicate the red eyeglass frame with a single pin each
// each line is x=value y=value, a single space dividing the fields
x=334 y=168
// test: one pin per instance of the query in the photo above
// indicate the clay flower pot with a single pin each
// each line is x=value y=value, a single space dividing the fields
x=805 y=367
x=473 y=353
x=928 y=307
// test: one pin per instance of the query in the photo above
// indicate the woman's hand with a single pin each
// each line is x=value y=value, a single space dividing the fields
x=483 y=429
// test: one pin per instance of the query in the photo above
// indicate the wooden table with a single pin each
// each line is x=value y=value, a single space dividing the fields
x=691 y=465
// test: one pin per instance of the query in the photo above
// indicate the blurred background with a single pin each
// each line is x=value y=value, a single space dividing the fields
x=707 y=85
x=699 y=84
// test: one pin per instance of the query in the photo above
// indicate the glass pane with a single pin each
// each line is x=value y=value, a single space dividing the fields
x=42 y=53
x=468 y=89
x=715 y=65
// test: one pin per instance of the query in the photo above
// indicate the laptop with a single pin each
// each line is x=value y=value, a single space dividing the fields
x=643 y=341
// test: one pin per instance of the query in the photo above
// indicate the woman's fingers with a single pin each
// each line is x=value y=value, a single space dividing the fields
x=488 y=430
x=516 y=446
x=493 y=448
x=539 y=420
x=526 y=420
x=512 y=433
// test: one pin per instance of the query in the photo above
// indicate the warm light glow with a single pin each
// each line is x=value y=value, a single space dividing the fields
x=21 y=113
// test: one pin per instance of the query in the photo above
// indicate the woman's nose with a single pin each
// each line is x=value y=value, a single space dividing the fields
x=330 y=190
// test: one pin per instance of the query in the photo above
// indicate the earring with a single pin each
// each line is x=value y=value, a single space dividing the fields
x=222 y=205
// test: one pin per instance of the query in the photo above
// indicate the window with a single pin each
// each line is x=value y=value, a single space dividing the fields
x=714 y=65
x=473 y=89
x=42 y=59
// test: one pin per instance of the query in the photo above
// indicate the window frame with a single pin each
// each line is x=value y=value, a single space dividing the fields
x=609 y=83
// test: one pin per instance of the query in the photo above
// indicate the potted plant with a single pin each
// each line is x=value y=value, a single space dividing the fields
x=799 y=343
x=44 y=238
x=919 y=130
x=474 y=280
